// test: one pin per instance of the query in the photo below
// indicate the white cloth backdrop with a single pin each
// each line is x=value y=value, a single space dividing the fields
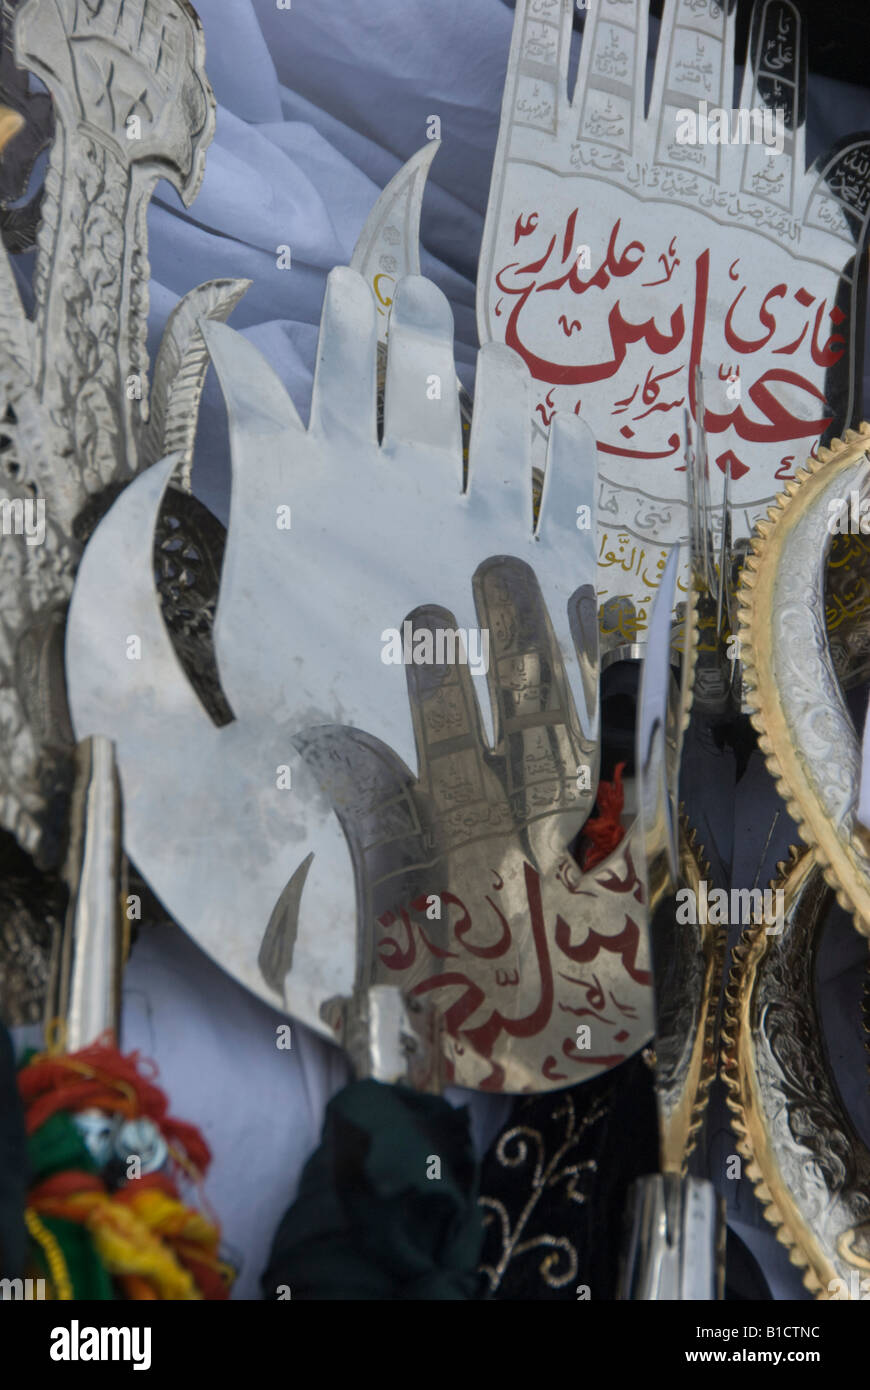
x=319 y=105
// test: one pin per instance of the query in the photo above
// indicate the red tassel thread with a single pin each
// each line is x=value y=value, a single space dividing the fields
x=116 y=1083
x=603 y=832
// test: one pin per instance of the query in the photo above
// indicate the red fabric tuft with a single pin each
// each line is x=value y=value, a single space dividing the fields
x=102 y=1078
x=603 y=832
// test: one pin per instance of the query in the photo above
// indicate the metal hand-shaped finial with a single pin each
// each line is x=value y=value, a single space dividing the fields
x=335 y=542
x=623 y=249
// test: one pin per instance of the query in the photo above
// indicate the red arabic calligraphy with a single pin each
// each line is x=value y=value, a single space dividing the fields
x=778 y=406
x=470 y=1015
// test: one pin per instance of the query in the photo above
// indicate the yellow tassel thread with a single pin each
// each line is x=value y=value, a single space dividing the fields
x=50 y=1247
x=127 y=1237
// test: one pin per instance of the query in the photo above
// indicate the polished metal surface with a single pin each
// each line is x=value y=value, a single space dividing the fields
x=86 y=996
x=99 y=1131
x=179 y=373
x=388 y=248
x=624 y=248
x=324 y=685
x=656 y=810
x=798 y=705
x=202 y=803
x=141 y=1138
x=803 y=1154
x=675 y=1227
x=131 y=105
x=106 y=66
x=686 y=957
x=676 y=1241
x=390 y=1038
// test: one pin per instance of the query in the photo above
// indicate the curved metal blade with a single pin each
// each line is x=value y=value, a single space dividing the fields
x=389 y=244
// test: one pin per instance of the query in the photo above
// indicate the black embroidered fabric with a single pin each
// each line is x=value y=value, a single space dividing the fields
x=554 y=1186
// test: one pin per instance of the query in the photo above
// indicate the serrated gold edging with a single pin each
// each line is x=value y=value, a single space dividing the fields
x=680 y=1134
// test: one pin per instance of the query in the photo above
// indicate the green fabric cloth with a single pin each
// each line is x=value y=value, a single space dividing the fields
x=56 y=1147
x=367 y=1222
x=89 y=1277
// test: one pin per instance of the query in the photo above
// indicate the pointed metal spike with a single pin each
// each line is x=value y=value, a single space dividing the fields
x=393 y=227
x=275 y=958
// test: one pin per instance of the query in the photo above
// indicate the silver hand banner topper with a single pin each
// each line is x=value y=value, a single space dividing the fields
x=418 y=656
x=626 y=248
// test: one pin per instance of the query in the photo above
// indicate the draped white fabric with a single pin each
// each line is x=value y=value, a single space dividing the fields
x=319 y=105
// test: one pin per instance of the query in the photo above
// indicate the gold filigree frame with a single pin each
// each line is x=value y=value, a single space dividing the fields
x=792 y=687
x=809 y=1167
